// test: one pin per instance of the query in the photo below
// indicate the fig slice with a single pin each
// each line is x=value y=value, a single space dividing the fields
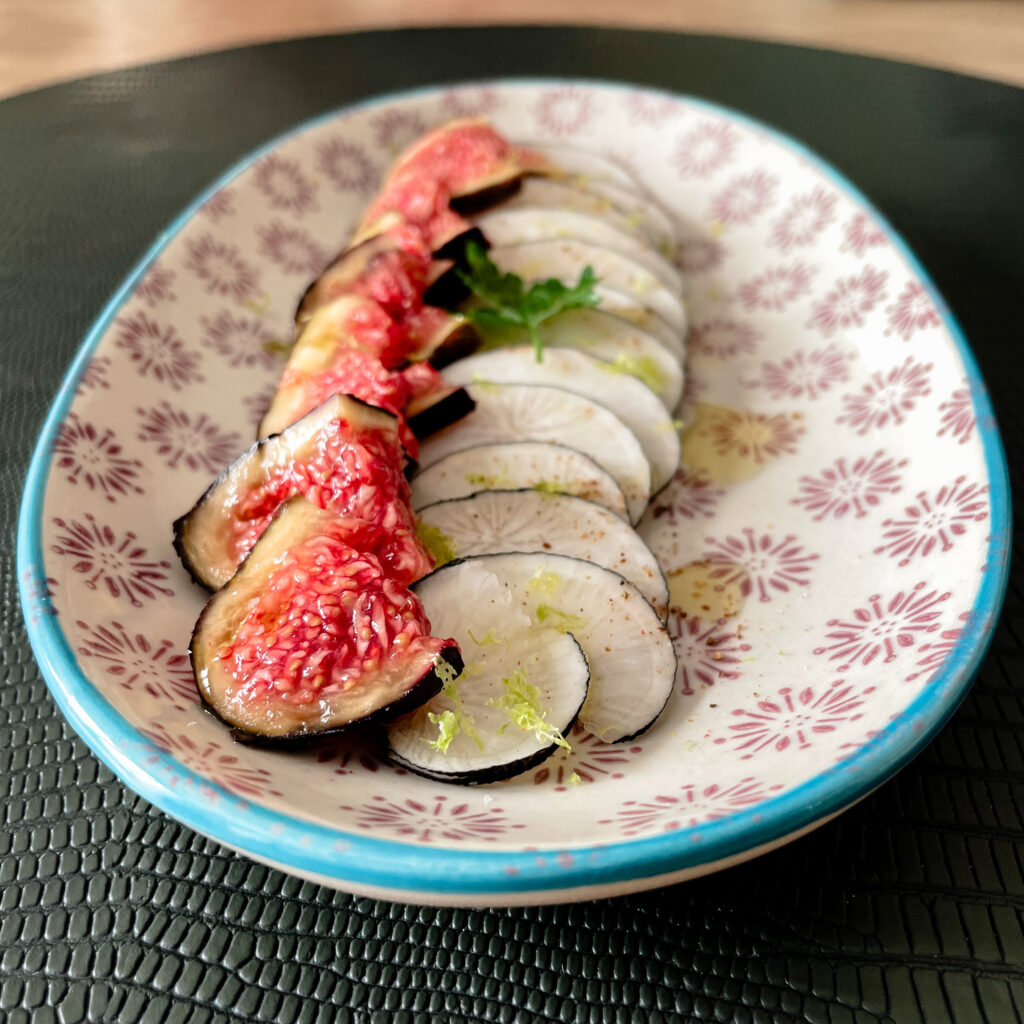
x=344 y=455
x=311 y=637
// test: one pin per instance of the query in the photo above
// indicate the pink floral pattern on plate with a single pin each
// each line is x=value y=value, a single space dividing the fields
x=814 y=501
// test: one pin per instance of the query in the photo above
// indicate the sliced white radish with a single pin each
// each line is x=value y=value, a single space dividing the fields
x=565 y=260
x=521 y=412
x=632 y=661
x=632 y=401
x=503 y=226
x=517 y=698
x=648 y=208
x=608 y=337
x=626 y=307
x=498 y=521
x=631 y=211
x=544 y=467
x=585 y=165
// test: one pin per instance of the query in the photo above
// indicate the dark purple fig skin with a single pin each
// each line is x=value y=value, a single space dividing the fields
x=483 y=199
x=441 y=413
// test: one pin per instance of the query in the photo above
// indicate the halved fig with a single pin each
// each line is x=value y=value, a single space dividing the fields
x=631 y=400
x=521 y=412
x=517 y=699
x=631 y=657
x=565 y=260
x=311 y=637
x=526 y=520
x=518 y=225
x=544 y=467
x=345 y=455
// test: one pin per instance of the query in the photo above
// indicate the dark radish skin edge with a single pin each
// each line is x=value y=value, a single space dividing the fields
x=342 y=694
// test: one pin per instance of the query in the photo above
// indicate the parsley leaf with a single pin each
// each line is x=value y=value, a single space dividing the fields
x=507 y=303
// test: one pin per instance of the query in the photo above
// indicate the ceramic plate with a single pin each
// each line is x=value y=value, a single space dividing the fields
x=844 y=497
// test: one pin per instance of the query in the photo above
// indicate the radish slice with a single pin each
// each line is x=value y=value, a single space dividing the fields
x=630 y=212
x=519 y=412
x=632 y=661
x=585 y=163
x=515 y=227
x=626 y=307
x=517 y=699
x=548 y=468
x=565 y=260
x=632 y=401
x=498 y=521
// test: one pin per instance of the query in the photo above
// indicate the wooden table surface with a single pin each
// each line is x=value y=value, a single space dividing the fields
x=45 y=41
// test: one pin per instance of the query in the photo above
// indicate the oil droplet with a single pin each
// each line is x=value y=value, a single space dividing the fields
x=731 y=445
x=708 y=590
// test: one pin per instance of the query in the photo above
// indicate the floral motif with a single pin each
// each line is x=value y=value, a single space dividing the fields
x=887 y=397
x=849 y=301
x=93 y=458
x=697 y=254
x=291 y=248
x=117 y=562
x=723 y=339
x=776 y=288
x=694 y=805
x=347 y=165
x=934 y=521
x=155 y=287
x=756 y=562
x=795 y=718
x=239 y=340
x=936 y=653
x=754 y=436
x=706 y=652
x=912 y=312
x=861 y=234
x=589 y=759
x=690 y=496
x=194 y=441
x=565 y=111
x=470 y=101
x=221 y=269
x=957 y=416
x=395 y=129
x=281 y=180
x=884 y=627
x=94 y=376
x=432 y=819
x=744 y=198
x=704 y=149
x=208 y=758
x=220 y=204
x=350 y=758
x=257 y=404
x=645 y=108
x=137 y=663
x=804 y=219
x=801 y=375
x=157 y=351
x=850 y=486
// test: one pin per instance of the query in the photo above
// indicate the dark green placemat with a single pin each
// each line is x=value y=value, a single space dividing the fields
x=908 y=908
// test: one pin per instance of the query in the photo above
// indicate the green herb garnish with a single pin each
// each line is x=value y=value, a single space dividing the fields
x=507 y=303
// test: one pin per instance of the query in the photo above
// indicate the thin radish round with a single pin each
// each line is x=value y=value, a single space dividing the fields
x=627 y=308
x=585 y=163
x=503 y=226
x=632 y=401
x=641 y=205
x=632 y=212
x=632 y=661
x=608 y=337
x=520 y=693
x=499 y=521
x=544 y=467
x=520 y=412
x=565 y=260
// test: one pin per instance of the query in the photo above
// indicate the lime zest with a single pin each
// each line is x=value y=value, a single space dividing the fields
x=551 y=487
x=521 y=704
x=564 y=622
x=545 y=582
x=448 y=728
x=441 y=547
x=462 y=719
x=643 y=368
x=574 y=780
x=489 y=639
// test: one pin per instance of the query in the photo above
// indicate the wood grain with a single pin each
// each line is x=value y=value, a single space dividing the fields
x=44 y=41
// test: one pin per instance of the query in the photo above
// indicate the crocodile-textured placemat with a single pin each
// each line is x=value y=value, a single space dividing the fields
x=909 y=908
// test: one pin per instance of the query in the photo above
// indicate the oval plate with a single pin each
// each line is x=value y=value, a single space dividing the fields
x=845 y=501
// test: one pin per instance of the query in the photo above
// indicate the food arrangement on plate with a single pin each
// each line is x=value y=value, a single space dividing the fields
x=517 y=598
